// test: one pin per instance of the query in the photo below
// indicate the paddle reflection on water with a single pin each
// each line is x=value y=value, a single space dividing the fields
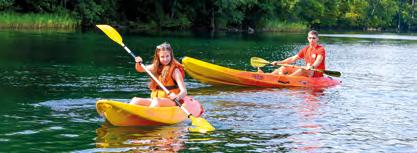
x=141 y=139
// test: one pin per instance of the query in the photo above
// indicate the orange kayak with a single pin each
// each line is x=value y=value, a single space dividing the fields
x=219 y=75
x=124 y=114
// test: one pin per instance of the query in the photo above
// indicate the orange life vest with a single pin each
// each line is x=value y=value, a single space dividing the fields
x=168 y=82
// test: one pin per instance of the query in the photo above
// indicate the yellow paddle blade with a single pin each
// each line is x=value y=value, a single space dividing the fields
x=111 y=33
x=201 y=125
x=258 y=62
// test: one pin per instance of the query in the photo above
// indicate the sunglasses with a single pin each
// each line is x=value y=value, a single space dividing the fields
x=312 y=37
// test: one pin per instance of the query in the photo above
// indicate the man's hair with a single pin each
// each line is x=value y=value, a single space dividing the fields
x=314 y=32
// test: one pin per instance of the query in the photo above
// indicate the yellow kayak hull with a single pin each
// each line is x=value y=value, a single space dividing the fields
x=218 y=75
x=124 y=114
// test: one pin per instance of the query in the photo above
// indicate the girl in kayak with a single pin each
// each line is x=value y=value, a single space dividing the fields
x=169 y=72
x=314 y=56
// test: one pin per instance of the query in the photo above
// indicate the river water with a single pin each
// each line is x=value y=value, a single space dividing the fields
x=50 y=81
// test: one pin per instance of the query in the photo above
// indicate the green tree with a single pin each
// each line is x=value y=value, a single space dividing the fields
x=353 y=13
x=331 y=13
x=286 y=10
x=380 y=13
x=225 y=14
x=311 y=11
x=92 y=12
x=5 y=4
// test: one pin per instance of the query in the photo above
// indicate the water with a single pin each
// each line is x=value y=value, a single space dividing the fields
x=49 y=82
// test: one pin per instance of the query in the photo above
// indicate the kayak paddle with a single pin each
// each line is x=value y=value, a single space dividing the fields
x=259 y=62
x=201 y=124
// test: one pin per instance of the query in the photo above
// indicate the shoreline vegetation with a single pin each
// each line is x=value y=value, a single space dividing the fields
x=65 y=22
x=11 y=20
x=27 y=21
x=278 y=26
x=212 y=15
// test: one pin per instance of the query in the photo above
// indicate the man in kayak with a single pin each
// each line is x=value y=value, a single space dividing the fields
x=314 y=56
x=169 y=72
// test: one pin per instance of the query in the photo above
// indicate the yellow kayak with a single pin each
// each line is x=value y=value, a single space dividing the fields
x=124 y=114
x=218 y=75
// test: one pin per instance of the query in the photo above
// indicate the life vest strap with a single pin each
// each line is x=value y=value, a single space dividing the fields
x=168 y=87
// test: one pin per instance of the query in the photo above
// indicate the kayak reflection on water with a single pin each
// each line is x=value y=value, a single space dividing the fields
x=141 y=139
x=308 y=112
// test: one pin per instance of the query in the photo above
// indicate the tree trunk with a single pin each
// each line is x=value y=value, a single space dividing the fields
x=173 y=9
x=399 y=16
x=212 y=24
x=410 y=23
x=399 y=21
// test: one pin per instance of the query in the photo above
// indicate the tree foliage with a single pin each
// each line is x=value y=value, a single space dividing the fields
x=224 y=14
x=5 y=4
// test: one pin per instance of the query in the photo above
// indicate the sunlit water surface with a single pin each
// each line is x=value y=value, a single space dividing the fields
x=51 y=81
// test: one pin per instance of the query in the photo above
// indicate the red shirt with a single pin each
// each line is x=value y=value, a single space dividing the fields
x=310 y=55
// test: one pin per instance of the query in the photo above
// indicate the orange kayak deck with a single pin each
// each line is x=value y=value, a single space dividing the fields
x=124 y=114
x=218 y=75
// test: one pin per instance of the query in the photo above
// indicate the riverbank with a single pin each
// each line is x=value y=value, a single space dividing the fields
x=12 y=20
x=38 y=21
x=279 y=26
x=269 y=26
x=65 y=21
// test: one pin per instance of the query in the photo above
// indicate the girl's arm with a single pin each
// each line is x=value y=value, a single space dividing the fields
x=181 y=84
x=139 y=67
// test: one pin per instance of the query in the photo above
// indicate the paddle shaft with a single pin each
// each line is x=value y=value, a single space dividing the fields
x=177 y=102
x=301 y=67
x=259 y=62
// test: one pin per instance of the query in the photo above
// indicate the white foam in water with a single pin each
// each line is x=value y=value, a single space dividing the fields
x=25 y=132
x=110 y=149
x=68 y=104
x=70 y=135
